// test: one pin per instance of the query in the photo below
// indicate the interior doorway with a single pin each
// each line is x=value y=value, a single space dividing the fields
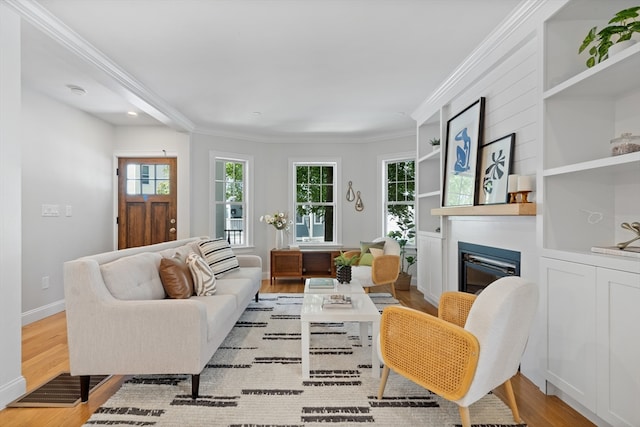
x=147 y=201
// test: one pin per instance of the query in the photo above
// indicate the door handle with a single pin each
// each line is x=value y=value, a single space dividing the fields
x=172 y=230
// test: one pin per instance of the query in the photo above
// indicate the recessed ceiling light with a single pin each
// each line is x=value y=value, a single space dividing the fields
x=77 y=90
x=257 y=113
x=132 y=113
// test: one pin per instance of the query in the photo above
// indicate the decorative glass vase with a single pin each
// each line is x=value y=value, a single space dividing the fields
x=279 y=239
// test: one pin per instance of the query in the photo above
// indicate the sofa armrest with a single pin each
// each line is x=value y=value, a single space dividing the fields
x=249 y=261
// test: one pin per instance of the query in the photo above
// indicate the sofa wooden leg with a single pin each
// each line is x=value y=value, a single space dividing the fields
x=84 y=388
x=257 y=293
x=195 y=385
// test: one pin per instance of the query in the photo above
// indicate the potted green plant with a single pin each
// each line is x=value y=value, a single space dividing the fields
x=623 y=25
x=343 y=267
x=406 y=232
x=435 y=143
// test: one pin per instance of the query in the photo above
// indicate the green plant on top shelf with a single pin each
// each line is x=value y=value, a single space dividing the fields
x=623 y=25
x=434 y=142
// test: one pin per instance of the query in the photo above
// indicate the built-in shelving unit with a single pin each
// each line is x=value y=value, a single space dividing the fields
x=587 y=193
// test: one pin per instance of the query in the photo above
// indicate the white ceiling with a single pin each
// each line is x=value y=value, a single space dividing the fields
x=260 y=69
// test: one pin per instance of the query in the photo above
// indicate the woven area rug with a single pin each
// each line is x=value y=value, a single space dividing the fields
x=254 y=379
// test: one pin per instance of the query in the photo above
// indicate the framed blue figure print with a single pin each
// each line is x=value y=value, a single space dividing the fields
x=464 y=137
x=495 y=167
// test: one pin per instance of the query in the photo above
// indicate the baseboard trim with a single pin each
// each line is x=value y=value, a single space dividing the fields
x=12 y=390
x=42 y=312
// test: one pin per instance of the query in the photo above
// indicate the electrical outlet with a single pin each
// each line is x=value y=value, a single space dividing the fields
x=45 y=282
x=69 y=210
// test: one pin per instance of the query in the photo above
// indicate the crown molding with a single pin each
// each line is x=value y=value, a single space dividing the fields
x=302 y=138
x=502 y=40
x=146 y=99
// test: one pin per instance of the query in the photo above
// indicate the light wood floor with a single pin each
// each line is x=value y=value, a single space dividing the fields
x=44 y=354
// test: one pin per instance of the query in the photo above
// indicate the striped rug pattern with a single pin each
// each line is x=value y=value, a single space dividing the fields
x=254 y=379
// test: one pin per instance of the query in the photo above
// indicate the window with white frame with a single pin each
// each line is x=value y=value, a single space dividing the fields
x=231 y=198
x=399 y=205
x=315 y=185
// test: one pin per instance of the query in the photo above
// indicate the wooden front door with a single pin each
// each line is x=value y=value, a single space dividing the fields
x=147 y=201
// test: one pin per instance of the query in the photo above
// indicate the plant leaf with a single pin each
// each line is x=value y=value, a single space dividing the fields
x=591 y=62
x=588 y=39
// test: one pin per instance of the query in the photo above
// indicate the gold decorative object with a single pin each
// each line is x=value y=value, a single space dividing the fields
x=350 y=194
x=635 y=227
x=359 y=204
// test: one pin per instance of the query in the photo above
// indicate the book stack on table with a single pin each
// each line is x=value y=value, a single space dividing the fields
x=337 y=301
x=321 y=283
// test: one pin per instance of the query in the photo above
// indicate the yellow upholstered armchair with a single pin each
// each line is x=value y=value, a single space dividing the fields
x=472 y=347
x=377 y=266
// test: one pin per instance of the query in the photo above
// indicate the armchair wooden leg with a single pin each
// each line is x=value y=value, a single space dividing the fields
x=511 y=401
x=383 y=381
x=393 y=290
x=464 y=416
x=257 y=294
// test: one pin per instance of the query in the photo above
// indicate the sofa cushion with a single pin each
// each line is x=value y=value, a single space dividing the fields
x=219 y=309
x=176 y=278
x=240 y=288
x=181 y=251
x=219 y=256
x=365 y=246
x=252 y=273
x=134 y=277
x=204 y=281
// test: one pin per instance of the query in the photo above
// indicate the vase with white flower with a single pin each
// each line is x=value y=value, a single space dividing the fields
x=281 y=223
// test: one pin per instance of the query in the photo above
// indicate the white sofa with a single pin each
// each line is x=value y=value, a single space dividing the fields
x=148 y=333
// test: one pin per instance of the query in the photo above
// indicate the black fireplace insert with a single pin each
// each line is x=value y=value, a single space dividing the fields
x=481 y=265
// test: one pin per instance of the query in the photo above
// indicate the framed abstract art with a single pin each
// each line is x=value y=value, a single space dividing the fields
x=464 y=137
x=495 y=167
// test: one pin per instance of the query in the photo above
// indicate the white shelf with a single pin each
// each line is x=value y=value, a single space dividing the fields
x=434 y=155
x=623 y=163
x=614 y=76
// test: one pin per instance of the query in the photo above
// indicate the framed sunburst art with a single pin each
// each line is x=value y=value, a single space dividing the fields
x=495 y=167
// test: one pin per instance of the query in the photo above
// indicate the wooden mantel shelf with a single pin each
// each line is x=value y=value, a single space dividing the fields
x=512 y=209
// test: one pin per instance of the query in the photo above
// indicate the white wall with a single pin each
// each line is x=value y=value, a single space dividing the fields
x=511 y=89
x=150 y=141
x=12 y=383
x=359 y=165
x=67 y=161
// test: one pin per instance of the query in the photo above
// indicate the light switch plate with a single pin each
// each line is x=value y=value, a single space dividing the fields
x=50 y=210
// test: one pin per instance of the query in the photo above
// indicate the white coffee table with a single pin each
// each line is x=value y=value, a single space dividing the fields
x=363 y=311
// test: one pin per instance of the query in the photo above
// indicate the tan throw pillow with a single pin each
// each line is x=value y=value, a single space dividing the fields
x=376 y=252
x=176 y=278
x=204 y=282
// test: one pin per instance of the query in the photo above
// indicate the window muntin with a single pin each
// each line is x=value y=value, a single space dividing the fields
x=148 y=179
x=315 y=206
x=400 y=195
x=230 y=220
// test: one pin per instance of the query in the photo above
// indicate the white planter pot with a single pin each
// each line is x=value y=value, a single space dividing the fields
x=619 y=47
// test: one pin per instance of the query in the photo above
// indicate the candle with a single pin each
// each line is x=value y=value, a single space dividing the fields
x=512 y=184
x=525 y=183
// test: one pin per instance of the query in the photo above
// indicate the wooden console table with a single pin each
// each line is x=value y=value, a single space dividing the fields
x=303 y=263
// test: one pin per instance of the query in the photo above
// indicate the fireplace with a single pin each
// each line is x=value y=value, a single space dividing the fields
x=481 y=265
